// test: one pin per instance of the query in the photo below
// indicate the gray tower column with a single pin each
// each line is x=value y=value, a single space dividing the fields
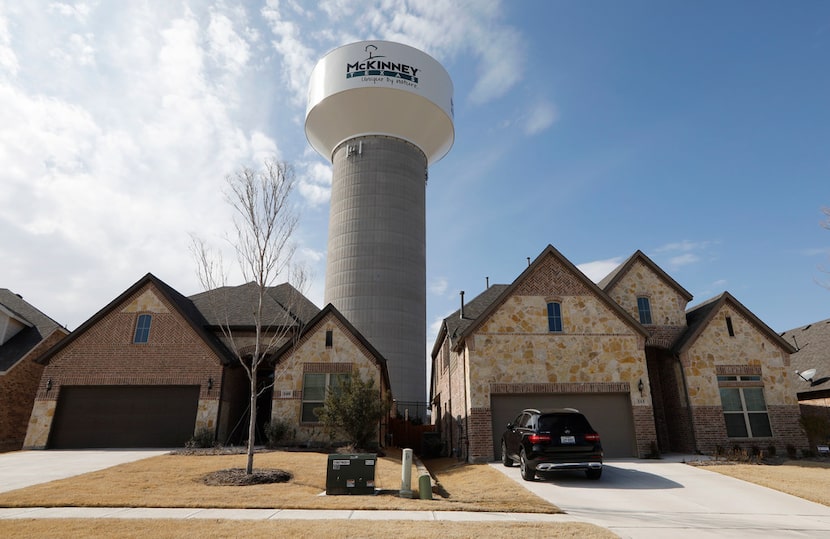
x=376 y=262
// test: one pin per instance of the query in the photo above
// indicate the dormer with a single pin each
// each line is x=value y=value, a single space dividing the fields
x=647 y=292
x=11 y=324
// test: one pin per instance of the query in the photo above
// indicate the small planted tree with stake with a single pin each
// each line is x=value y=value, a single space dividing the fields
x=264 y=222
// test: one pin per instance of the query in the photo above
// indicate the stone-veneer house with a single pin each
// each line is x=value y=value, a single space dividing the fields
x=25 y=333
x=648 y=374
x=154 y=367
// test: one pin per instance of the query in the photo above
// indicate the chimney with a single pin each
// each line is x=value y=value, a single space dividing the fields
x=487 y=280
x=462 y=305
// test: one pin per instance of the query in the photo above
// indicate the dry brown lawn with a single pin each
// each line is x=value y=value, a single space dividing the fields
x=175 y=481
x=208 y=529
x=806 y=479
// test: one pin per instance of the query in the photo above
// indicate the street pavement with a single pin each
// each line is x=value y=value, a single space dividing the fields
x=669 y=499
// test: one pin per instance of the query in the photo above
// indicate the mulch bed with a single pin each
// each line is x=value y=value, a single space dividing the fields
x=238 y=478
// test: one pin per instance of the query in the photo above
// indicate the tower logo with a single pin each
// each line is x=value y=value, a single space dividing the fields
x=376 y=68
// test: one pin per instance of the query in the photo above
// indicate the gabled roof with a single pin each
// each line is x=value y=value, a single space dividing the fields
x=610 y=280
x=487 y=302
x=183 y=305
x=313 y=324
x=812 y=344
x=698 y=318
x=230 y=306
x=38 y=328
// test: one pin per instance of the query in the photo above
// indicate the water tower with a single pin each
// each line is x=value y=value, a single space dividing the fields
x=381 y=112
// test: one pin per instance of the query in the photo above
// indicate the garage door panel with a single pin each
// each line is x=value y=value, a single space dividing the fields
x=609 y=413
x=124 y=416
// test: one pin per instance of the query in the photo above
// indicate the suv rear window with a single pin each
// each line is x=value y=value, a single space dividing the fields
x=559 y=422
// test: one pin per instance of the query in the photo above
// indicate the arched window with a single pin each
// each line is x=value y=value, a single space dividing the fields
x=554 y=316
x=142 y=328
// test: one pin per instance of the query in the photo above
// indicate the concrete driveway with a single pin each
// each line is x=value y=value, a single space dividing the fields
x=20 y=469
x=666 y=498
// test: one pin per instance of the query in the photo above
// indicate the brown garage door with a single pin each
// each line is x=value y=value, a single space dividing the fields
x=124 y=416
x=609 y=413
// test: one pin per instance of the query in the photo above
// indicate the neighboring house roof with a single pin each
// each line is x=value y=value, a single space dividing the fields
x=812 y=345
x=313 y=324
x=490 y=300
x=183 y=305
x=698 y=318
x=230 y=306
x=619 y=272
x=37 y=328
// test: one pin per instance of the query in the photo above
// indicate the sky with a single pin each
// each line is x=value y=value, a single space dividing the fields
x=696 y=132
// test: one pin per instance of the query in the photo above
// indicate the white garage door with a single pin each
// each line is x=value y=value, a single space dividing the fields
x=609 y=413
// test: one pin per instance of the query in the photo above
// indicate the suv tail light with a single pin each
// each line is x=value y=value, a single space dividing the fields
x=538 y=438
x=592 y=437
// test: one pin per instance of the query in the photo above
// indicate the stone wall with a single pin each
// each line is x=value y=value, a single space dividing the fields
x=668 y=306
x=347 y=354
x=749 y=351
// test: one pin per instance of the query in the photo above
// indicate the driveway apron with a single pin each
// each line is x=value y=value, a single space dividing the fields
x=667 y=498
x=20 y=469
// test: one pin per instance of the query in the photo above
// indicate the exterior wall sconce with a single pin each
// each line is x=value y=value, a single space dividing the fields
x=48 y=385
x=641 y=386
x=210 y=383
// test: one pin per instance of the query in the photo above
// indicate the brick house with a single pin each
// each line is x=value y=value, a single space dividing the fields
x=25 y=333
x=154 y=367
x=647 y=373
x=811 y=370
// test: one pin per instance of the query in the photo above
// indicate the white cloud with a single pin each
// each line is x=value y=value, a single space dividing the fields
x=438 y=286
x=540 y=117
x=686 y=259
x=8 y=59
x=684 y=245
x=598 y=269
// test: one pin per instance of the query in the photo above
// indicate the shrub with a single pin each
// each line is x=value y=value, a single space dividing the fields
x=275 y=432
x=771 y=450
x=202 y=438
x=353 y=411
x=792 y=452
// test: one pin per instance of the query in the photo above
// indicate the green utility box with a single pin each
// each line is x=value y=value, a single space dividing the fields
x=351 y=474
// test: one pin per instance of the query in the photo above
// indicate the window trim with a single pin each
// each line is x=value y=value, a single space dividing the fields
x=141 y=335
x=317 y=402
x=740 y=383
x=555 y=323
x=644 y=314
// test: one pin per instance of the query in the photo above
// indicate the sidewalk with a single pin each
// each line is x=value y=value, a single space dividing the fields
x=272 y=514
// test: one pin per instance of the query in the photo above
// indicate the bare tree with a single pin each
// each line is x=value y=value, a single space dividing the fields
x=264 y=222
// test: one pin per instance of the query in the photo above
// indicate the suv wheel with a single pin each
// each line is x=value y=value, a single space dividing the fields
x=594 y=473
x=528 y=474
x=505 y=459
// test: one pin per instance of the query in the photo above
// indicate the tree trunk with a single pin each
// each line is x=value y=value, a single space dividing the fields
x=249 y=468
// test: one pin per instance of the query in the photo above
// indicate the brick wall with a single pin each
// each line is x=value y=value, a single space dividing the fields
x=18 y=386
x=106 y=355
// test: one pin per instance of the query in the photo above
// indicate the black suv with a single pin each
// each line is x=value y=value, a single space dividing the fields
x=551 y=440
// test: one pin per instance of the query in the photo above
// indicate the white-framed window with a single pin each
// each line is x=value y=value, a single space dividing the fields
x=315 y=386
x=744 y=407
x=142 y=328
